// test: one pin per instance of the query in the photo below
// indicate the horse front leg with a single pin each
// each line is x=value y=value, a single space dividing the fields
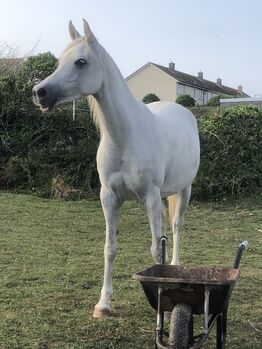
x=156 y=215
x=110 y=205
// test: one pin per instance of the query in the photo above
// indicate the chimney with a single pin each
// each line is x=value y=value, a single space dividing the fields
x=240 y=89
x=200 y=75
x=219 y=81
x=171 y=66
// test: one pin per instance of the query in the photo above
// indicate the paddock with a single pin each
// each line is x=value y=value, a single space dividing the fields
x=51 y=254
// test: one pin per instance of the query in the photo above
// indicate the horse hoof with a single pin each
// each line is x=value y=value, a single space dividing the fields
x=101 y=313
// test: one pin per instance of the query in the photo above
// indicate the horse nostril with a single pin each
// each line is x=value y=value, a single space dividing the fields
x=34 y=93
x=41 y=92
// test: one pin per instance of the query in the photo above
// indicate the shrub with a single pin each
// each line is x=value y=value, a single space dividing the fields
x=34 y=149
x=186 y=101
x=150 y=98
x=215 y=101
x=231 y=157
x=60 y=189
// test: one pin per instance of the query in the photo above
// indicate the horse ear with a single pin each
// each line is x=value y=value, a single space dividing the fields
x=73 y=32
x=88 y=33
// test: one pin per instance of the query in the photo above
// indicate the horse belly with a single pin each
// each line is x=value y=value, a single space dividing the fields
x=175 y=183
x=181 y=170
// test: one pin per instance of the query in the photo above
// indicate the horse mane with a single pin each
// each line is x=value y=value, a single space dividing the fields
x=95 y=109
x=97 y=113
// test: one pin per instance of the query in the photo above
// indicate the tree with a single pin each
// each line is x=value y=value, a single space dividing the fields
x=150 y=98
x=33 y=70
x=186 y=101
x=8 y=60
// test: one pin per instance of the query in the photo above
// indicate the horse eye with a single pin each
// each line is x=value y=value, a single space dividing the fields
x=80 y=62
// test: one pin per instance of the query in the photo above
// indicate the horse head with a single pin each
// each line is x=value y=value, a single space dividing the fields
x=79 y=72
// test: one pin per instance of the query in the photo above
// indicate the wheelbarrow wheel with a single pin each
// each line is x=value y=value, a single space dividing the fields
x=181 y=327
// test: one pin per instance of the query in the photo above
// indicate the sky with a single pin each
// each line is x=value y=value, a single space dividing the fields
x=220 y=38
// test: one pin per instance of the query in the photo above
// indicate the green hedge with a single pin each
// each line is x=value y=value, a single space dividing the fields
x=215 y=101
x=54 y=156
x=150 y=98
x=59 y=160
x=186 y=101
x=47 y=154
x=231 y=151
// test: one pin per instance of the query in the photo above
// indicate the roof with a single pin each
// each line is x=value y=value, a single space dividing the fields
x=237 y=101
x=194 y=81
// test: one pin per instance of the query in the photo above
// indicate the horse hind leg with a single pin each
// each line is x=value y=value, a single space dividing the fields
x=163 y=227
x=177 y=206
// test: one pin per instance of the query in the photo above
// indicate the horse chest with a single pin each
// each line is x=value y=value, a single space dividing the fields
x=129 y=184
x=128 y=178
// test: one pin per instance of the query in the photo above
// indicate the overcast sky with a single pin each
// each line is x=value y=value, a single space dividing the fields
x=221 y=38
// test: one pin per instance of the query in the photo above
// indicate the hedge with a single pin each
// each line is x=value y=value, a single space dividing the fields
x=47 y=154
x=150 y=98
x=55 y=156
x=186 y=101
x=60 y=159
x=231 y=152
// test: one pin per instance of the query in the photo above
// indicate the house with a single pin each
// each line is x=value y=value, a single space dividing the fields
x=167 y=83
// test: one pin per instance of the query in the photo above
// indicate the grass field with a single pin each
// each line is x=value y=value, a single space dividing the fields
x=51 y=262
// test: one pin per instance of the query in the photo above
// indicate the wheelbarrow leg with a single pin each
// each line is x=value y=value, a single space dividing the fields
x=159 y=319
x=221 y=330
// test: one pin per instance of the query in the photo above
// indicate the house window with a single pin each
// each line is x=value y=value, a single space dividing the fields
x=205 y=97
x=180 y=89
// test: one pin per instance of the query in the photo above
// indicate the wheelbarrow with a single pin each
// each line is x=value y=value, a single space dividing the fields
x=185 y=292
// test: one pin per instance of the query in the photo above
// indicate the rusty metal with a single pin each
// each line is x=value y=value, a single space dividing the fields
x=182 y=284
x=206 y=290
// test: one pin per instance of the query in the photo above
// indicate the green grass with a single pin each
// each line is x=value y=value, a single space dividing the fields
x=51 y=262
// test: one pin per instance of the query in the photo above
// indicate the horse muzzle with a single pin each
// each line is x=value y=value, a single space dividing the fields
x=45 y=97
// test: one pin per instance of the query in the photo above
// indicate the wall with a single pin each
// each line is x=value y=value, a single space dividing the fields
x=152 y=80
x=201 y=97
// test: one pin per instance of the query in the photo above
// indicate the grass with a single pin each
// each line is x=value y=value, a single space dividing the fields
x=51 y=262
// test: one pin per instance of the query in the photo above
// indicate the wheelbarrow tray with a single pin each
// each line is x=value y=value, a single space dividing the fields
x=187 y=285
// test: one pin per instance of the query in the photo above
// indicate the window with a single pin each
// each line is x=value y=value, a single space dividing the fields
x=180 y=89
x=205 y=97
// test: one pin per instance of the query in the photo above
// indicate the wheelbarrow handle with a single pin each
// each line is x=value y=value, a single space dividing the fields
x=163 y=241
x=240 y=251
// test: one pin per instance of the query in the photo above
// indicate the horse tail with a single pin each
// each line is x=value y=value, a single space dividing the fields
x=172 y=207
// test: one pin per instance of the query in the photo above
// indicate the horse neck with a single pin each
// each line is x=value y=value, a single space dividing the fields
x=115 y=109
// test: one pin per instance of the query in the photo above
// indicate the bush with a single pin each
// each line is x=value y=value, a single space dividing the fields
x=48 y=153
x=186 y=101
x=150 y=98
x=231 y=157
x=215 y=101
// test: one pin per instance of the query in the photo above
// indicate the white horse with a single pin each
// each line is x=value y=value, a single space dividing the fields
x=146 y=152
